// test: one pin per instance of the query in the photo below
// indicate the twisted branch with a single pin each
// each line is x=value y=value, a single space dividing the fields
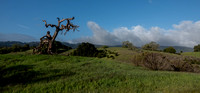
x=67 y=27
x=47 y=25
x=58 y=19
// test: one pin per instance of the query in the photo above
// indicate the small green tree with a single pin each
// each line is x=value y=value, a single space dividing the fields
x=86 y=49
x=89 y=50
x=5 y=50
x=127 y=44
x=26 y=47
x=151 y=46
x=16 y=48
x=170 y=50
x=197 y=48
x=58 y=47
x=105 y=47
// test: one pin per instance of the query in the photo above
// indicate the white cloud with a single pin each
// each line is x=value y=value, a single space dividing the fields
x=184 y=34
x=100 y=36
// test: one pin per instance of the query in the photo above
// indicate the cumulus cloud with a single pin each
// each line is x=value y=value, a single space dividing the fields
x=16 y=37
x=186 y=33
x=100 y=36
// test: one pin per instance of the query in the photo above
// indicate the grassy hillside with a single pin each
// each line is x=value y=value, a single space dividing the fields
x=23 y=72
x=125 y=54
x=194 y=54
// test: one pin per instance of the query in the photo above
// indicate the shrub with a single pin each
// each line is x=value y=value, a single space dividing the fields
x=105 y=47
x=169 y=50
x=151 y=46
x=192 y=60
x=5 y=50
x=101 y=54
x=26 y=47
x=58 y=47
x=89 y=50
x=197 y=48
x=158 y=61
x=86 y=49
x=127 y=44
x=116 y=54
x=112 y=57
x=14 y=48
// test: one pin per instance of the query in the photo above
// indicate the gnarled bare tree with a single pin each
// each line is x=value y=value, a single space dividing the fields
x=58 y=27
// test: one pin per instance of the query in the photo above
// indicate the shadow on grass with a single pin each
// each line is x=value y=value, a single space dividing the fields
x=24 y=74
x=17 y=74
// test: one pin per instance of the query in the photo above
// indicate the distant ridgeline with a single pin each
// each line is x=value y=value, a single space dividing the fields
x=179 y=48
x=10 y=43
x=31 y=44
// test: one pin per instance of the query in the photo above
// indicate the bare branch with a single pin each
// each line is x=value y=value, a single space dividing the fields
x=66 y=19
x=74 y=27
x=62 y=20
x=58 y=19
x=47 y=25
x=70 y=18
x=44 y=21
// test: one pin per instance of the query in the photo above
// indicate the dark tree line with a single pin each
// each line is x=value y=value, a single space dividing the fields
x=14 y=48
x=197 y=48
x=58 y=48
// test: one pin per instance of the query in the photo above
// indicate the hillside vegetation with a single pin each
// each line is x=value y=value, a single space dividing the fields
x=24 y=72
x=194 y=54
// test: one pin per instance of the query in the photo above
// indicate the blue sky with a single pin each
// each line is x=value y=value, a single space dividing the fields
x=23 y=18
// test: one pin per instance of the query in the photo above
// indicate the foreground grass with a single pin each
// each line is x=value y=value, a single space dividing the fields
x=47 y=73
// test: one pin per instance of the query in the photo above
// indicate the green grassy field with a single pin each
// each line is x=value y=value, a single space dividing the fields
x=125 y=54
x=194 y=54
x=23 y=72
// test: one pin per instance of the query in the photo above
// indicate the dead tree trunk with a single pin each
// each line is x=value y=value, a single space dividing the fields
x=59 y=27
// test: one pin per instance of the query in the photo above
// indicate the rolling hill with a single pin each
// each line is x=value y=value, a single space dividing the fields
x=10 y=43
x=23 y=72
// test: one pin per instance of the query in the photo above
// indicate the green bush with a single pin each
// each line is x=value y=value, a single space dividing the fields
x=169 y=50
x=5 y=50
x=101 y=54
x=112 y=57
x=197 y=48
x=105 y=47
x=127 y=44
x=151 y=46
x=58 y=47
x=88 y=50
x=14 y=48
x=159 y=61
x=26 y=47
